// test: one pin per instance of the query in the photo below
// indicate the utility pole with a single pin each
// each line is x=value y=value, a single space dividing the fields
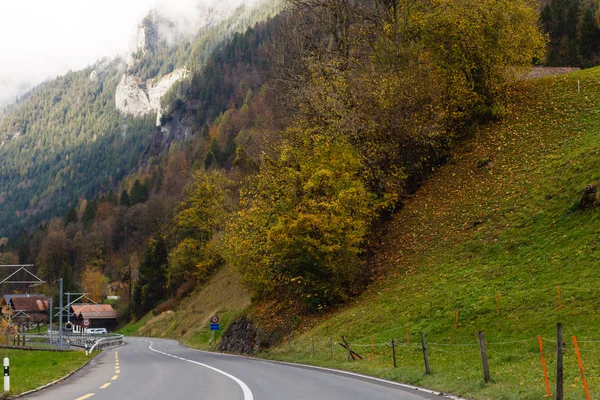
x=68 y=307
x=50 y=326
x=60 y=315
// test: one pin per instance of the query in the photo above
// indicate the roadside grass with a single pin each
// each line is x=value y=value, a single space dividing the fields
x=31 y=369
x=223 y=295
x=131 y=329
x=493 y=242
x=206 y=339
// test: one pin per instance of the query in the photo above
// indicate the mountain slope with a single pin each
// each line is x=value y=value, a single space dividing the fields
x=490 y=236
x=68 y=140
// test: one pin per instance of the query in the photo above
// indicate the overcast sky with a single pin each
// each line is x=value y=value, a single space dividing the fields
x=44 y=38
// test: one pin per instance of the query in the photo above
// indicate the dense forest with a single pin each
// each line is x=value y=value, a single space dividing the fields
x=573 y=28
x=65 y=140
x=309 y=130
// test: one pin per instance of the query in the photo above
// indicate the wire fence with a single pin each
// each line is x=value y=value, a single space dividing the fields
x=541 y=362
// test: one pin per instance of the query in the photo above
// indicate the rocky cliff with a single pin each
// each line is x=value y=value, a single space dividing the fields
x=137 y=98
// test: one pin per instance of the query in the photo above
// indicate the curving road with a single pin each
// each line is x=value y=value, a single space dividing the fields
x=163 y=369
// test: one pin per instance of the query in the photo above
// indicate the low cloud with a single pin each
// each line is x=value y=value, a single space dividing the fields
x=42 y=39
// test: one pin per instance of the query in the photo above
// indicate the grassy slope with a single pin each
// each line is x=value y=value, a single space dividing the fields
x=494 y=243
x=31 y=369
x=222 y=295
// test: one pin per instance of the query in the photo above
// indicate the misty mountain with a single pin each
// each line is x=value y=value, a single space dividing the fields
x=69 y=140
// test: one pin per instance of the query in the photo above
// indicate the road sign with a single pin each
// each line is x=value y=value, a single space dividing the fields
x=86 y=323
x=215 y=327
x=214 y=319
x=68 y=326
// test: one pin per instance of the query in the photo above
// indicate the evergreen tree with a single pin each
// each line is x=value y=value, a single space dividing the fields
x=151 y=284
x=589 y=36
x=69 y=282
x=89 y=215
x=71 y=217
x=23 y=247
x=124 y=200
x=139 y=192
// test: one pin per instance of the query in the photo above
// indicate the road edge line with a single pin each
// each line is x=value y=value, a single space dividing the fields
x=335 y=371
x=245 y=389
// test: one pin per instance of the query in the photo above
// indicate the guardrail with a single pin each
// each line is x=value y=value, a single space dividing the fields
x=105 y=342
x=82 y=340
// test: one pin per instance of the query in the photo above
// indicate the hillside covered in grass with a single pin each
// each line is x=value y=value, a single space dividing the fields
x=492 y=235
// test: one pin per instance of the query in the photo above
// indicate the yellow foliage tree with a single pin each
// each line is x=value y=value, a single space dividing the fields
x=303 y=222
x=94 y=283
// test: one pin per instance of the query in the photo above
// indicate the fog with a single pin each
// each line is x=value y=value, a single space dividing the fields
x=40 y=39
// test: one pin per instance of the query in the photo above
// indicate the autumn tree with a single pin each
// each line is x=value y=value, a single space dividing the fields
x=303 y=222
x=95 y=284
x=400 y=80
x=200 y=216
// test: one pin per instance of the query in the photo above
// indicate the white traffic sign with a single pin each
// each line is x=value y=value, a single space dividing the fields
x=214 y=319
x=86 y=323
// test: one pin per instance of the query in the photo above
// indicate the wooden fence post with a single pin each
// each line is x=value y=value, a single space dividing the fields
x=394 y=351
x=313 y=345
x=425 y=356
x=484 y=359
x=347 y=348
x=559 y=361
x=331 y=347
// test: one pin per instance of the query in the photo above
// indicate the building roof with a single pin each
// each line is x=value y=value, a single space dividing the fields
x=9 y=297
x=31 y=303
x=94 y=311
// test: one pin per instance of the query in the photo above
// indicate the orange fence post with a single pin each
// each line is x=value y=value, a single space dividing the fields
x=585 y=385
x=373 y=346
x=559 y=305
x=498 y=303
x=456 y=322
x=548 y=394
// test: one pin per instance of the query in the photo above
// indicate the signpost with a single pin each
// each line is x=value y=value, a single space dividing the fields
x=215 y=326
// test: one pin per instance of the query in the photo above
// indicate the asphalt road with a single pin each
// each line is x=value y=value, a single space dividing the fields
x=148 y=369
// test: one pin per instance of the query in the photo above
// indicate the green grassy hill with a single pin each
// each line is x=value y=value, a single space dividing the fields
x=223 y=295
x=491 y=235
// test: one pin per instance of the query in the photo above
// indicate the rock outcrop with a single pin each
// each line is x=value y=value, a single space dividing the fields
x=590 y=198
x=132 y=99
x=134 y=96
x=240 y=337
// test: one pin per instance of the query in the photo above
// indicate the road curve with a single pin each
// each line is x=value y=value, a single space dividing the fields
x=148 y=369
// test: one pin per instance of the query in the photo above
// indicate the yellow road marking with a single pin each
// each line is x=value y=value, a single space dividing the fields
x=114 y=378
x=105 y=385
x=87 y=396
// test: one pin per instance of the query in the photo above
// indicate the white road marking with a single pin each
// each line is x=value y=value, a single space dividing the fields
x=245 y=389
